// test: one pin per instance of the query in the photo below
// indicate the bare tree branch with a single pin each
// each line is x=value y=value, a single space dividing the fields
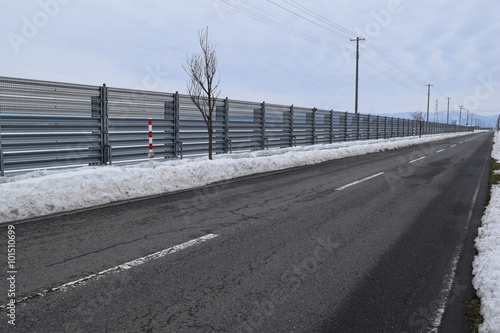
x=419 y=117
x=201 y=87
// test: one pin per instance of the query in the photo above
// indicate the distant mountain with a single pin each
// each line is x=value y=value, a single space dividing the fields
x=485 y=121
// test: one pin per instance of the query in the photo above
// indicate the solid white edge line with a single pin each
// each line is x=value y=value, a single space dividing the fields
x=418 y=159
x=124 y=266
x=359 y=181
x=450 y=278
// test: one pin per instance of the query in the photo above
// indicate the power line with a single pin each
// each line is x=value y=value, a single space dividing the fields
x=280 y=24
x=271 y=20
x=389 y=64
x=388 y=71
x=305 y=18
x=392 y=64
x=305 y=10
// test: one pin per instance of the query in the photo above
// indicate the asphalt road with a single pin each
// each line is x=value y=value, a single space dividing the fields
x=374 y=243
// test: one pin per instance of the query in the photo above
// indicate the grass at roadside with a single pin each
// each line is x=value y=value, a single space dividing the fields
x=474 y=314
x=495 y=177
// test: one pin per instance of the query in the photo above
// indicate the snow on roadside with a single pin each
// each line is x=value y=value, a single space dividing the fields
x=486 y=265
x=46 y=192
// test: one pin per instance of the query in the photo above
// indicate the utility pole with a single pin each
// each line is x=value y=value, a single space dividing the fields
x=448 y=112
x=460 y=115
x=357 y=72
x=428 y=99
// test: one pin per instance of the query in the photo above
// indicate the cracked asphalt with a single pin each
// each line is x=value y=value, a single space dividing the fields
x=293 y=254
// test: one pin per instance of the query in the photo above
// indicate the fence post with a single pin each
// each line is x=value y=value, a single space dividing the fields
x=290 y=126
x=106 y=156
x=263 y=126
x=332 y=137
x=368 y=134
x=227 y=141
x=2 y=172
x=385 y=126
x=378 y=121
x=345 y=126
x=315 y=137
x=177 y=140
x=221 y=117
x=357 y=125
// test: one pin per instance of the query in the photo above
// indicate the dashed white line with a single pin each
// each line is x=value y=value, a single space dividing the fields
x=418 y=159
x=118 y=268
x=453 y=146
x=440 y=150
x=359 y=181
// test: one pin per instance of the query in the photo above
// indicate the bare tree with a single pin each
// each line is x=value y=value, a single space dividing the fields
x=419 y=117
x=202 y=86
x=454 y=123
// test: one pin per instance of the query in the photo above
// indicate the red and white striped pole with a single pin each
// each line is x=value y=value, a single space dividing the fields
x=150 y=128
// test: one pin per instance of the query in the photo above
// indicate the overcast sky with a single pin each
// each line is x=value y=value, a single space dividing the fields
x=453 y=45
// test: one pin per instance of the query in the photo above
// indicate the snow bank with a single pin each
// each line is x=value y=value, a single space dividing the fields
x=486 y=265
x=46 y=192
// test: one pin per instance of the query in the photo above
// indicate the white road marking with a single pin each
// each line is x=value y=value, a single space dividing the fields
x=418 y=159
x=440 y=150
x=118 y=268
x=359 y=181
x=453 y=146
x=437 y=314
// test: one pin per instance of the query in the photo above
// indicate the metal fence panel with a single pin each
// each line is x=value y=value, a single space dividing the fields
x=59 y=125
x=34 y=97
x=245 y=125
x=32 y=142
x=128 y=138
